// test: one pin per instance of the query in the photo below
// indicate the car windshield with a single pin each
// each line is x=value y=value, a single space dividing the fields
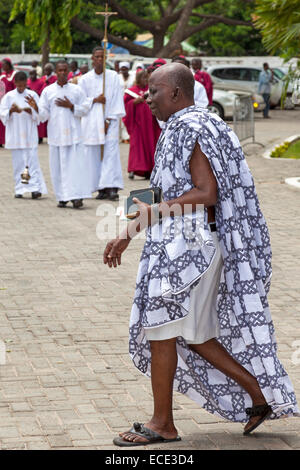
x=279 y=73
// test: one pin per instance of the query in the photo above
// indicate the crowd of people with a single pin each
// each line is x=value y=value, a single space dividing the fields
x=200 y=322
x=84 y=122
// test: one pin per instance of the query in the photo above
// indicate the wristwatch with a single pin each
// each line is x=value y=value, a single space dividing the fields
x=107 y=121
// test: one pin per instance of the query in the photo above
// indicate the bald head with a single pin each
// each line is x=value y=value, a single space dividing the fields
x=171 y=88
x=178 y=76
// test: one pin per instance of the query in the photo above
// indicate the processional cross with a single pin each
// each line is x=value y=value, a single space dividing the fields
x=106 y=15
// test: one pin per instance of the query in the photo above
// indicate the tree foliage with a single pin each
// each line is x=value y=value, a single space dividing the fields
x=48 y=20
x=279 y=23
x=225 y=39
x=216 y=27
x=175 y=19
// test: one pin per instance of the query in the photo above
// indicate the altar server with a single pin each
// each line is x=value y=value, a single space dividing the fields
x=62 y=104
x=18 y=112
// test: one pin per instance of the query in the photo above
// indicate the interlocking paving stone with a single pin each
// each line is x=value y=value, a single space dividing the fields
x=68 y=381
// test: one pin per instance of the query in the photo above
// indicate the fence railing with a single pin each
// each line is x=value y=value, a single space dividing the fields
x=243 y=118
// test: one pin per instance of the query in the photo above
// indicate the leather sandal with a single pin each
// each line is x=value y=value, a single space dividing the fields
x=140 y=430
x=264 y=411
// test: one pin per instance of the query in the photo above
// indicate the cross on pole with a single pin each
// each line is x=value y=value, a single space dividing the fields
x=106 y=15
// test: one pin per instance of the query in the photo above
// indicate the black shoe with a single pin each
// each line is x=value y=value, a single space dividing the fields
x=40 y=140
x=62 y=203
x=18 y=196
x=77 y=203
x=102 y=194
x=113 y=194
x=131 y=175
x=35 y=194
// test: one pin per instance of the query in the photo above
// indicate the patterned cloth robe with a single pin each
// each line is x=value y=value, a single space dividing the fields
x=171 y=266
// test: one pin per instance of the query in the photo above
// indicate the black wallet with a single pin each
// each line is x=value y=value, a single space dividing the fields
x=147 y=195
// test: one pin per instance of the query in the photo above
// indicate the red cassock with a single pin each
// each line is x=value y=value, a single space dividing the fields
x=45 y=81
x=144 y=132
x=8 y=80
x=36 y=85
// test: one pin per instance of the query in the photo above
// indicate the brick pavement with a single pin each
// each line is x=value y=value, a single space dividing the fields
x=68 y=382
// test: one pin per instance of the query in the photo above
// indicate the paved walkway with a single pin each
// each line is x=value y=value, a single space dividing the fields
x=68 y=382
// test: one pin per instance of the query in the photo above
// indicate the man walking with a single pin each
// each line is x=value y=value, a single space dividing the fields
x=62 y=104
x=19 y=113
x=200 y=322
x=264 y=87
x=100 y=128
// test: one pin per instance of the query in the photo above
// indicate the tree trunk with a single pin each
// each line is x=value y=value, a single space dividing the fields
x=45 y=50
x=135 y=49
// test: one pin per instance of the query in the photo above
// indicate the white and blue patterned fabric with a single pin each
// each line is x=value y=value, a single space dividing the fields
x=173 y=261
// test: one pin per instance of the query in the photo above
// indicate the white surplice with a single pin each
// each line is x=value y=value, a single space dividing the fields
x=69 y=172
x=21 y=136
x=200 y=95
x=106 y=173
x=125 y=84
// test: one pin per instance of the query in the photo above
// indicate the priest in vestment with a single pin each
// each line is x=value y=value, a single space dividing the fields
x=18 y=112
x=100 y=127
x=62 y=104
x=142 y=127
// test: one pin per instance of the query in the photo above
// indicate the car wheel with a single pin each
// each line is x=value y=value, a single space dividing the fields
x=217 y=108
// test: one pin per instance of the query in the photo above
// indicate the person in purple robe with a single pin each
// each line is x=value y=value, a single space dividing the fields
x=142 y=127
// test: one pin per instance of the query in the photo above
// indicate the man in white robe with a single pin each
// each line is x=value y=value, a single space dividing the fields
x=127 y=79
x=18 y=112
x=100 y=128
x=63 y=104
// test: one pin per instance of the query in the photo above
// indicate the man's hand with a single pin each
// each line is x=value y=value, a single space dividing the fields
x=64 y=103
x=113 y=251
x=141 y=99
x=27 y=110
x=31 y=101
x=142 y=219
x=15 y=109
x=100 y=99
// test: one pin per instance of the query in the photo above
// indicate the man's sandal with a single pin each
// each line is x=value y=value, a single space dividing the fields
x=140 y=430
x=264 y=411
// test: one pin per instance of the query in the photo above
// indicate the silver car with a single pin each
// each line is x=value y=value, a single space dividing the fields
x=245 y=78
x=225 y=100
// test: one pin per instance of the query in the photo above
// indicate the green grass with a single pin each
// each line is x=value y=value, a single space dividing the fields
x=293 y=151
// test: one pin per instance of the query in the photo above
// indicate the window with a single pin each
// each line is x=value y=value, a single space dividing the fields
x=255 y=75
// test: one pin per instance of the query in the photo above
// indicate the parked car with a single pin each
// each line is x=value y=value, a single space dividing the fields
x=23 y=67
x=245 y=78
x=225 y=100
